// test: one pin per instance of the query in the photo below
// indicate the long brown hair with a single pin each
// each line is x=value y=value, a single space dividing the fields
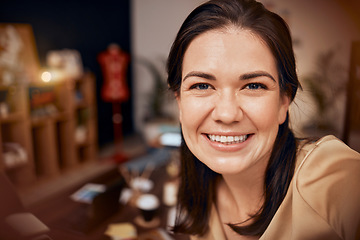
x=197 y=188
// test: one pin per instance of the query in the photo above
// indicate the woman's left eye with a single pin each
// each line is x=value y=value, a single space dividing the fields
x=255 y=86
x=201 y=86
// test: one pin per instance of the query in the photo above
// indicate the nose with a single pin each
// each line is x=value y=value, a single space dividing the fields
x=227 y=109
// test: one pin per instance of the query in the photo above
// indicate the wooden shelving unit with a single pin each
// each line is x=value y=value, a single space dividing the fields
x=86 y=144
x=15 y=128
x=55 y=142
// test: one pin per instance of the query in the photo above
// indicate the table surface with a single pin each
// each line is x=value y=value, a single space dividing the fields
x=59 y=211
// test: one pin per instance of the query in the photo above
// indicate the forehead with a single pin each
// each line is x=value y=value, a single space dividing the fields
x=229 y=47
x=239 y=34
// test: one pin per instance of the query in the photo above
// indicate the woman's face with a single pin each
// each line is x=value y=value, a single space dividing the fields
x=229 y=101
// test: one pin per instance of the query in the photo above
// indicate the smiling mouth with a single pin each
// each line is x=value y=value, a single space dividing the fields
x=227 y=139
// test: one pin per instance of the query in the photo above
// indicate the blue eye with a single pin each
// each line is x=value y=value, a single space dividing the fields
x=200 y=86
x=255 y=86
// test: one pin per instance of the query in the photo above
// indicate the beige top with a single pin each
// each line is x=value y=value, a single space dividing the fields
x=323 y=200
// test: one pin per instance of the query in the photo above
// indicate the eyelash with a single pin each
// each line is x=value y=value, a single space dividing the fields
x=256 y=85
x=198 y=85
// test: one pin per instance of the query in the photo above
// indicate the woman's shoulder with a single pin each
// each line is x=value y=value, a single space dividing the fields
x=327 y=179
x=326 y=152
x=327 y=158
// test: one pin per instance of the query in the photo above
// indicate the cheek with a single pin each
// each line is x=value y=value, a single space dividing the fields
x=187 y=109
x=192 y=112
x=264 y=114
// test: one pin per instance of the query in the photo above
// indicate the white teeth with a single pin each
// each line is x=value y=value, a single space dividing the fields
x=228 y=139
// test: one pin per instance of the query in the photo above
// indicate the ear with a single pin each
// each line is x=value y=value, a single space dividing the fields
x=178 y=101
x=283 y=109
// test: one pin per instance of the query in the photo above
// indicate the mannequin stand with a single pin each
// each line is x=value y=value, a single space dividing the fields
x=119 y=156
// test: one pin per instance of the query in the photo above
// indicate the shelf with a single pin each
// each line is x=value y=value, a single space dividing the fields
x=39 y=121
x=15 y=166
x=81 y=104
x=49 y=139
x=12 y=117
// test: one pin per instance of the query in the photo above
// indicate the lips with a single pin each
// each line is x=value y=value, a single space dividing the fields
x=227 y=139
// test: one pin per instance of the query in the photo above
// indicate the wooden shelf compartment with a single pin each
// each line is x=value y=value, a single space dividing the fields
x=61 y=116
x=21 y=173
x=86 y=114
x=86 y=153
x=46 y=154
x=15 y=98
x=12 y=117
x=54 y=148
x=84 y=90
x=66 y=144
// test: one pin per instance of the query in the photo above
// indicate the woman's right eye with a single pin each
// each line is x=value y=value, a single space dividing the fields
x=200 y=86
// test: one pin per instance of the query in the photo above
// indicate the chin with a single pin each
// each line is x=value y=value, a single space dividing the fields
x=222 y=166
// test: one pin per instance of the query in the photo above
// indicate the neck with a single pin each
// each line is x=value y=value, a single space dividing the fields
x=245 y=194
x=245 y=191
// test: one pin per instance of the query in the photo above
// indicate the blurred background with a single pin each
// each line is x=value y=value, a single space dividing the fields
x=41 y=117
x=322 y=29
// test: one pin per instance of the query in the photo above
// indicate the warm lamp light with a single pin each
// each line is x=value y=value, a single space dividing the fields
x=46 y=76
x=52 y=75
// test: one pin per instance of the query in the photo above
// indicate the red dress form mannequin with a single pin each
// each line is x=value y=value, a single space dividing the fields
x=114 y=63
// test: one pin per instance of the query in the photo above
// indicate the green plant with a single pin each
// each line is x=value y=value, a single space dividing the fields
x=326 y=84
x=157 y=96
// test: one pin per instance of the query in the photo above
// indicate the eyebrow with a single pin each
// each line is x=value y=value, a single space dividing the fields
x=200 y=75
x=256 y=74
x=245 y=76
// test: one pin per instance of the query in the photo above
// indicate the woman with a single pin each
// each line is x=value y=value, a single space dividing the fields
x=244 y=175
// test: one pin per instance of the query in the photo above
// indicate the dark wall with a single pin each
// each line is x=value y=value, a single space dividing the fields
x=87 y=26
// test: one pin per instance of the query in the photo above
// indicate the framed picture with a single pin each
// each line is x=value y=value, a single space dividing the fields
x=19 y=61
